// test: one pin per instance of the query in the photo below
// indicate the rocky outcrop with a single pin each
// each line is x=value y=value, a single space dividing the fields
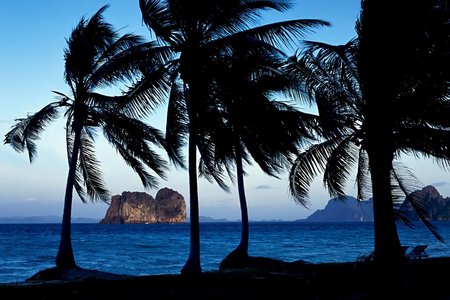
x=138 y=207
x=170 y=206
x=435 y=207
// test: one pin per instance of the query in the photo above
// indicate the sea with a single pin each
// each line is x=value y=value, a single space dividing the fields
x=147 y=249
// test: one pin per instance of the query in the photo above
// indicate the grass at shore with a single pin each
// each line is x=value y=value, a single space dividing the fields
x=421 y=279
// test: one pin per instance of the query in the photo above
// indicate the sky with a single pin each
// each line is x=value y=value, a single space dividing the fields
x=33 y=37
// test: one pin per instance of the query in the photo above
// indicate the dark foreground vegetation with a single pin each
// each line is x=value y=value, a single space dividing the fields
x=262 y=279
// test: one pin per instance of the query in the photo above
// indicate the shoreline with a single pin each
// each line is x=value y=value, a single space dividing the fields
x=425 y=278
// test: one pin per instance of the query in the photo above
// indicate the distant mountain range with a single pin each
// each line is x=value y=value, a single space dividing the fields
x=435 y=207
x=344 y=210
x=43 y=220
x=56 y=219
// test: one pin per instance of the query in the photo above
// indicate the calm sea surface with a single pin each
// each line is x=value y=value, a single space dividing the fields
x=164 y=248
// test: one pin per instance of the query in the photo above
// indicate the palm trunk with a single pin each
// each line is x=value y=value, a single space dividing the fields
x=243 y=245
x=387 y=248
x=239 y=257
x=378 y=24
x=65 y=257
x=192 y=265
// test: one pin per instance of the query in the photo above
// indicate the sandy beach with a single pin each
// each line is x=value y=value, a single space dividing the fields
x=420 y=279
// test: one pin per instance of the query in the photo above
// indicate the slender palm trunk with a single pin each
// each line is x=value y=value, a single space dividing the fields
x=65 y=257
x=243 y=245
x=239 y=257
x=192 y=265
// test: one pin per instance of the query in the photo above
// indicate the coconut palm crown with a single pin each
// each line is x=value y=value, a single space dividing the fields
x=251 y=84
x=200 y=36
x=369 y=127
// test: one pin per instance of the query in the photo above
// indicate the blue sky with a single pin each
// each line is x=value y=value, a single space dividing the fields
x=33 y=35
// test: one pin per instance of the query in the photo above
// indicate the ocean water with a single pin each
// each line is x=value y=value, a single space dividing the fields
x=144 y=249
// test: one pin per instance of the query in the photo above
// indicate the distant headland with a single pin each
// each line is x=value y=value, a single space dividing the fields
x=435 y=207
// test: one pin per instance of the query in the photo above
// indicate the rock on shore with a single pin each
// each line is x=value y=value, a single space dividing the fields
x=168 y=206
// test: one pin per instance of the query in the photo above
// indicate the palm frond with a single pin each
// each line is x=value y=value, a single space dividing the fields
x=301 y=126
x=132 y=139
x=89 y=168
x=148 y=180
x=176 y=126
x=418 y=208
x=228 y=17
x=406 y=183
x=426 y=141
x=336 y=96
x=308 y=165
x=78 y=180
x=213 y=173
x=138 y=60
x=147 y=93
x=79 y=185
x=363 y=182
x=63 y=99
x=286 y=33
x=70 y=136
x=87 y=41
x=121 y=45
x=209 y=166
x=120 y=61
x=156 y=15
x=27 y=130
x=340 y=162
x=335 y=57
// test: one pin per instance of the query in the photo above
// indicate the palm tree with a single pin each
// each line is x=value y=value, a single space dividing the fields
x=415 y=87
x=363 y=132
x=247 y=84
x=95 y=57
x=200 y=36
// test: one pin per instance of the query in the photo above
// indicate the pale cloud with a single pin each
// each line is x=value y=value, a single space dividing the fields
x=30 y=199
x=263 y=187
x=439 y=183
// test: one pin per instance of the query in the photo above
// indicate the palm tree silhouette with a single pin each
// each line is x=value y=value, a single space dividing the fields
x=373 y=133
x=248 y=84
x=95 y=57
x=414 y=88
x=200 y=36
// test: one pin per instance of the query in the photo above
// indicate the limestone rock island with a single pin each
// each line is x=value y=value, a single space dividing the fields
x=168 y=206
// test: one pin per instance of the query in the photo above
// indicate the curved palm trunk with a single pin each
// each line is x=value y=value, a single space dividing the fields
x=243 y=245
x=241 y=252
x=192 y=265
x=65 y=257
x=239 y=256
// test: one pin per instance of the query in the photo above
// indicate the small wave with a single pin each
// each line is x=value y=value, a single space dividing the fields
x=45 y=257
x=149 y=246
x=156 y=249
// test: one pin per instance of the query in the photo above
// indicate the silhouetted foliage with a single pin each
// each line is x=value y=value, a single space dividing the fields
x=378 y=101
x=248 y=84
x=96 y=57
x=200 y=37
